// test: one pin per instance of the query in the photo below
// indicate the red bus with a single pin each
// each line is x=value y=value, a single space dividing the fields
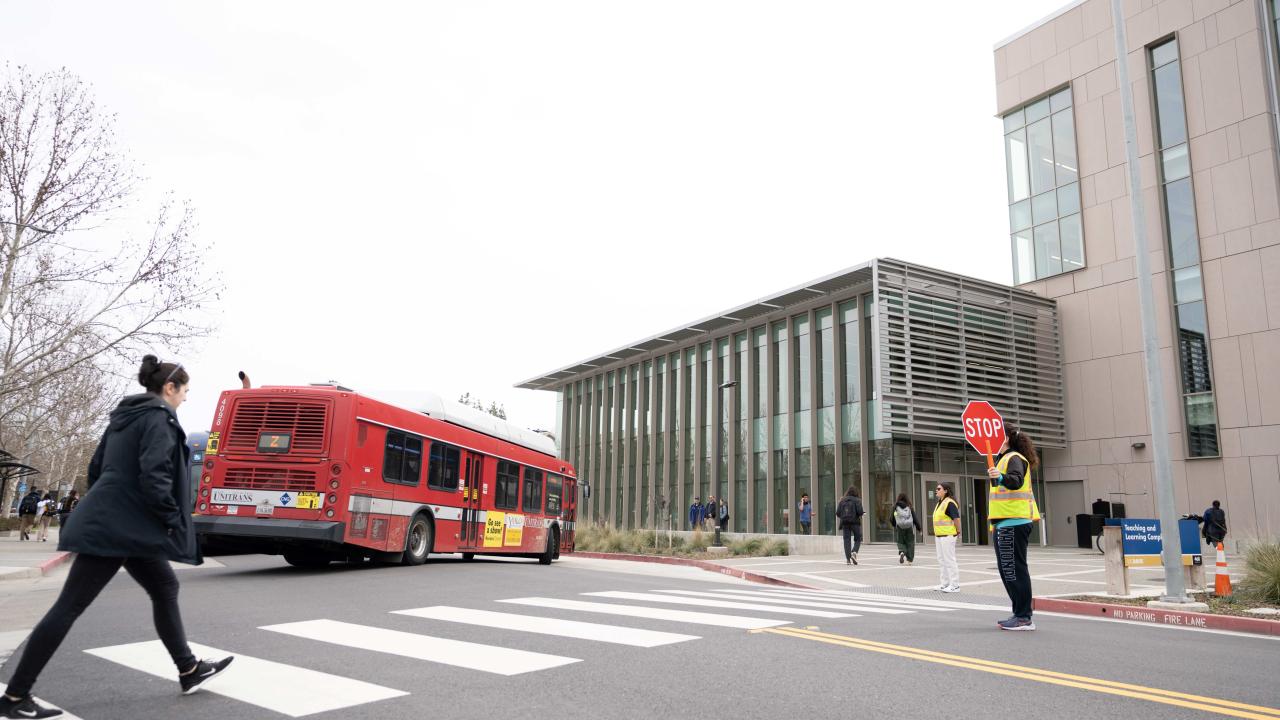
x=320 y=473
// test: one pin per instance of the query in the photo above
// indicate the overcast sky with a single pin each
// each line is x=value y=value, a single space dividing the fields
x=458 y=196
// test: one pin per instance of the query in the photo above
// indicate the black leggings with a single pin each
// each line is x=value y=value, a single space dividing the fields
x=88 y=575
x=1011 y=559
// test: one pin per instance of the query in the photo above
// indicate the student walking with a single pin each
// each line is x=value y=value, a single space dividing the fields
x=849 y=512
x=806 y=513
x=905 y=526
x=27 y=513
x=946 y=532
x=1215 y=524
x=66 y=506
x=44 y=515
x=137 y=515
x=1012 y=509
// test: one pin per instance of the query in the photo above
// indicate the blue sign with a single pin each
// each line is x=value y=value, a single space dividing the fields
x=1141 y=544
x=284 y=499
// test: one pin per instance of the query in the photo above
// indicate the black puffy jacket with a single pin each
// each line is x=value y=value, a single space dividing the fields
x=139 y=498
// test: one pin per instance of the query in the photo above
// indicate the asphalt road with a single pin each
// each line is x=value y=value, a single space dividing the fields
x=336 y=647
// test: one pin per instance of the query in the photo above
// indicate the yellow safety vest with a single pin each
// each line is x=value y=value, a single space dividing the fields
x=943 y=525
x=1004 y=503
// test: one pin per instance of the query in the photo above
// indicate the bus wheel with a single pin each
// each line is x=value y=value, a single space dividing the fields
x=553 y=542
x=310 y=561
x=418 y=544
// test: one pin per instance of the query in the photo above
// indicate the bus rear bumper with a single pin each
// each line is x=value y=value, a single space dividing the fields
x=270 y=532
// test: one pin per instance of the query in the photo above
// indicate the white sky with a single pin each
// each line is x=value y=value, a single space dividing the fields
x=457 y=196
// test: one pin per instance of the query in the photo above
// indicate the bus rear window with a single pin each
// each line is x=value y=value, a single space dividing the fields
x=553 y=494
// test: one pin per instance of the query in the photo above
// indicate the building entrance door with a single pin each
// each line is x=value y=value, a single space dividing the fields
x=1062 y=501
x=975 y=512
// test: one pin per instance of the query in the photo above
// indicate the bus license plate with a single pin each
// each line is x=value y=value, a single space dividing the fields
x=266 y=509
x=308 y=501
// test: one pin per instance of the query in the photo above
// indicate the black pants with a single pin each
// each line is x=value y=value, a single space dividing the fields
x=1011 y=559
x=853 y=530
x=88 y=575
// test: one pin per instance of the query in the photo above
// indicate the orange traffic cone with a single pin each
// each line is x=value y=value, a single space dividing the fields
x=1221 y=580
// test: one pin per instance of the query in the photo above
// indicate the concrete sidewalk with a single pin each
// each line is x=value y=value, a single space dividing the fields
x=20 y=559
x=1054 y=571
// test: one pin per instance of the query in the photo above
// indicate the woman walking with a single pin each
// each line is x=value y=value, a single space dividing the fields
x=137 y=515
x=1011 y=509
x=44 y=515
x=946 y=530
x=905 y=526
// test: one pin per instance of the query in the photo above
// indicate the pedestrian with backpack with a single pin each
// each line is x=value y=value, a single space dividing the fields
x=849 y=513
x=44 y=515
x=946 y=532
x=136 y=515
x=27 y=513
x=905 y=527
x=66 y=506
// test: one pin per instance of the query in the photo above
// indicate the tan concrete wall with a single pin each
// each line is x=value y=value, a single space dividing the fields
x=1234 y=177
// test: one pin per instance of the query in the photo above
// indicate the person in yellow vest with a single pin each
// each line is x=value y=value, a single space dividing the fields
x=946 y=530
x=1011 y=509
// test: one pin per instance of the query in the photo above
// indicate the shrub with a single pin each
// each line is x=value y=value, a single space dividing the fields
x=699 y=543
x=1262 y=574
x=777 y=547
x=750 y=546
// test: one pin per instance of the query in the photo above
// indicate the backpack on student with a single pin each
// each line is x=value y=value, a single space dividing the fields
x=902 y=517
x=28 y=505
x=847 y=510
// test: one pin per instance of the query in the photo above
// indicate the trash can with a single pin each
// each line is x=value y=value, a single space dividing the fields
x=1084 y=532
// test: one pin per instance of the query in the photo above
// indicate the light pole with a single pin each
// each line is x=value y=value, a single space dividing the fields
x=726 y=385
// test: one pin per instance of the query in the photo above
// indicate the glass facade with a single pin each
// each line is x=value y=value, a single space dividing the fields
x=1183 y=253
x=1045 y=226
x=763 y=409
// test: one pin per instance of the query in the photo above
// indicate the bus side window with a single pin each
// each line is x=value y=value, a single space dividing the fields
x=442 y=472
x=532 y=490
x=393 y=456
x=402 y=459
x=553 y=494
x=507 y=490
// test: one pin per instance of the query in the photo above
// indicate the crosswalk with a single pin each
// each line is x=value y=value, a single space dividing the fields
x=669 y=614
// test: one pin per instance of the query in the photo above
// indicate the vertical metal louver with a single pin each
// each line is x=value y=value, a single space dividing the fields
x=946 y=339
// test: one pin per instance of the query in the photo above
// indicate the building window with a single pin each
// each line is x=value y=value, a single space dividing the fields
x=1044 y=189
x=1183 y=256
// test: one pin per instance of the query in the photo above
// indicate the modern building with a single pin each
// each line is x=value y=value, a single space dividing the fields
x=1204 y=82
x=855 y=379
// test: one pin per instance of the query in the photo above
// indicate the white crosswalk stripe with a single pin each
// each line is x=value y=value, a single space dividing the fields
x=732 y=605
x=473 y=656
x=287 y=689
x=775 y=599
x=884 y=601
x=576 y=629
x=686 y=616
x=921 y=603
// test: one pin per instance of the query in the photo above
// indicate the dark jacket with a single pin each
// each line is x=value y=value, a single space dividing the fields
x=1215 y=524
x=138 y=503
x=35 y=498
x=852 y=504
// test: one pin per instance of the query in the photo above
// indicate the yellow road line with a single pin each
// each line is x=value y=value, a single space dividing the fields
x=1167 y=697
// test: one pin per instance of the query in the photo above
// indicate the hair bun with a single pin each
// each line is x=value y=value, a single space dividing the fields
x=150 y=364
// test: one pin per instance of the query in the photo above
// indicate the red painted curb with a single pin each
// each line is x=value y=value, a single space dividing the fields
x=689 y=562
x=54 y=562
x=1160 y=616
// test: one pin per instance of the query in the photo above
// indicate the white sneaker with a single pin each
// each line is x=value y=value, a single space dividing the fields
x=940 y=588
x=952 y=589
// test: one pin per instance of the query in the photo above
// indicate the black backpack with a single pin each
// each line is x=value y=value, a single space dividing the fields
x=28 y=506
x=847 y=510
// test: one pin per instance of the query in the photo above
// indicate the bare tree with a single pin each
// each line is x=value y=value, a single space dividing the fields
x=83 y=294
x=63 y=299
x=494 y=409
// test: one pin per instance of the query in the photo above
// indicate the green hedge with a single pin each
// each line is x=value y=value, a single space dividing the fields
x=1262 y=574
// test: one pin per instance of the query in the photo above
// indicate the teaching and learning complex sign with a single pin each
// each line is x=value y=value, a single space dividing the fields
x=1141 y=545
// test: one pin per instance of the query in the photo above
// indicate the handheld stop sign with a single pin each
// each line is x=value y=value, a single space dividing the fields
x=983 y=428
